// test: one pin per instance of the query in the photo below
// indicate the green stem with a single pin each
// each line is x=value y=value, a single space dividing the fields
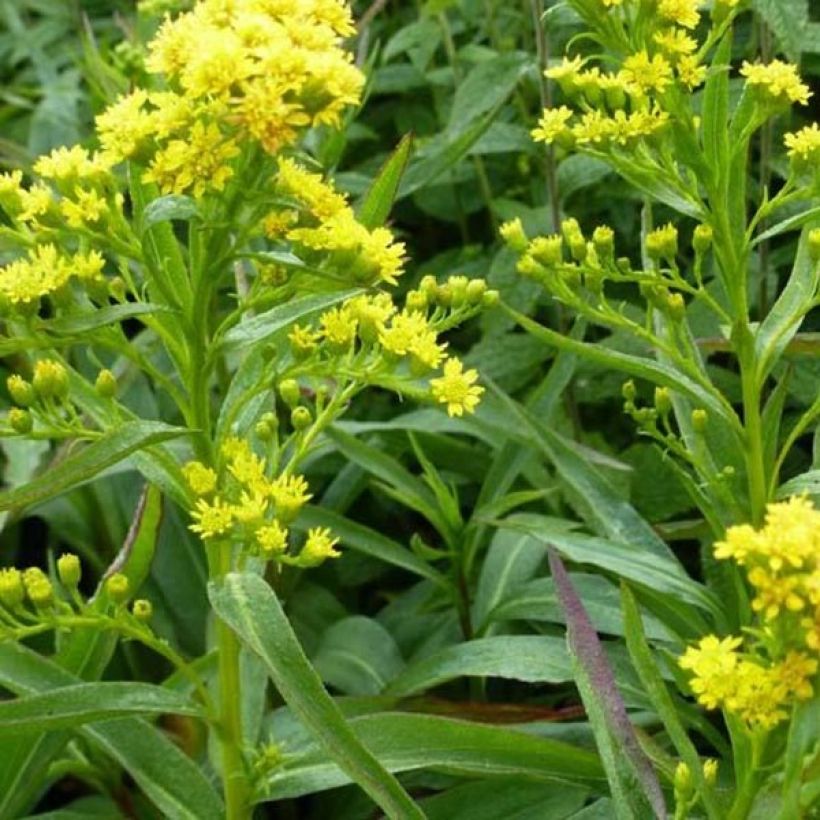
x=755 y=459
x=750 y=784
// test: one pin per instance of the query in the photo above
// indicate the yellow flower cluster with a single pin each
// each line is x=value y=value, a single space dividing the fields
x=778 y=81
x=256 y=71
x=375 y=337
x=321 y=223
x=804 y=146
x=782 y=563
x=757 y=692
x=243 y=503
x=45 y=271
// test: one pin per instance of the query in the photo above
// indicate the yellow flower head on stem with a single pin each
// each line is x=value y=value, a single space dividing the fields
x=457 y=388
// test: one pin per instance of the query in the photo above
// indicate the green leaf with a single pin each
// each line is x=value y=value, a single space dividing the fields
x=250 y=607
x=528 y=658
x=635 y=788
x=168 y=208
x=358 y=656
x=90 y=461
x=804 y=735
x=260 y=328
x=643 y=368
x=71 y=706
x=716 y=108
x=168 y=777
x=788 y=19
x=375 y=207
x=101 y=317
x=624 y=559
x=408 y=742
x=486 y=87
x=786 y=315
x=808 y=482
x=788 y=224
x=369 y=542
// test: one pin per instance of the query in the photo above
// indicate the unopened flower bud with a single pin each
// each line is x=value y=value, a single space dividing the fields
x=814 y=245
x=628 y=390
x=578 y=248
x=663 y=400
x=547 y=250
x=50 y=379
x=106 y=384
x=20 y=390
x=142 y=610
x=301 y=418
x=475 y=291
x=700 y=418
x=266 y=426
x=20 y=420
x=570 y=229
x=69 y=570
x=490 y=299
x=458 y=290
x=416 y=300
x=662 y=243
x=290 y=392
x=429 y=286
x=603 y=240
x=710 y=770
x=12 y=592
x=675 y=307
x=512 y=233
x=683 y=782
x=39 y=588
x=702 y=239
x=117 y=289
x=118 y=587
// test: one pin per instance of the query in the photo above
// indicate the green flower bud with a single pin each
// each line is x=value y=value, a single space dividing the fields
x=570 y=229
x=603 y=240
x=416 y=300
x=69 y=570
x=512 y=233
x=547 y=250
x=106 y=384
x=702 y=239
x=683 y=782
x=628 y=390
x=266 y=426
x=12 y=591
x=290 y=392
x=710 y=770
x=458 y=289
x=142 y=610
x=623 y=264
x=490 y=299
x=301 y=418
x=20 y=420
x=700 y=418
x=663 y=400
x=578 y=248
x=475 y=291
x=814 y=245
x=675 y=307
x=117 y=289
x=38 y=588
x=662 y=243
x=20 y=390
x=50 y=380
x=429 y=287
x=118 y=587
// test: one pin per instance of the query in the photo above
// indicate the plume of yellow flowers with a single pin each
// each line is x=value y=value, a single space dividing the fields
x=759 y=680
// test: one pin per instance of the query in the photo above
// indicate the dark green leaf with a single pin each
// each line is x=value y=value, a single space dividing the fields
x=375 y=207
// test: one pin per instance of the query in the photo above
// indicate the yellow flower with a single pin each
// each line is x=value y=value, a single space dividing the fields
x=681 y=12
x=125 y=126
x=804 y=145
x=566 y=73
x=70 y=165
x=251 y=507
x=303 y=341
x=201 y=479
x=272 y=539
x=457 y=388
x=795 y=672
x=712 y=662
x=675 y=43
x=318 y=547
x=85 y=209
x=289 y=494
x=552 y=125
x=243 y=464
x=690 y=72
x=200 y=162
x=212 y=518
x=404 y=329
x=339 y=327
x=647 y=73
x=371 y=313
x=310 y=189
x=778 y=80
x=594 y=128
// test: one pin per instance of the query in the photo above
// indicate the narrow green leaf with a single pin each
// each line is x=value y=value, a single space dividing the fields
x=646 y=667
x=72 y=706
x=90 y=461
x=375 y=207
x=250 y=607
x=788 y=224
x=170 y=779
x=808 y=482
x=804 y=736
x=408 y=742
x=716 y=107
x=258 y=329
x=528 y=658
x=109 y=315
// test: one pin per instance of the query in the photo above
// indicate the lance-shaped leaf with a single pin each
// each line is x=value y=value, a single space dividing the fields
x=250 y=607
x=89 y=461
x=375 y=207
x=635 y=788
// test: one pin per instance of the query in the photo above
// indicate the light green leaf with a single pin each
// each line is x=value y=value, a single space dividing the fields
x=251 y=608
x=71 y=706
x=375 y=207
x=101 y=317
x=788 y=19
x=168 y=208
x=808 y=482
x=258 y=329
x=169 y=778
x=529 y=658
x=90 y=461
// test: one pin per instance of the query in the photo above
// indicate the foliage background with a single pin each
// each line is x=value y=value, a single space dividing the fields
x=463 y=78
